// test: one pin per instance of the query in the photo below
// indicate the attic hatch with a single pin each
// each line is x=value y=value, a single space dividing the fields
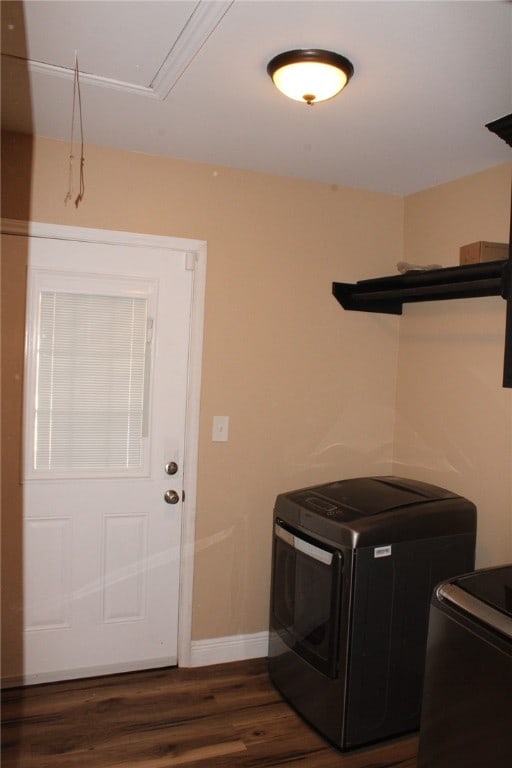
x=389 y=294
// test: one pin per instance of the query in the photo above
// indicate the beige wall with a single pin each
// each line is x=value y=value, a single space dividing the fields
x=453 y=418
x=309 y=388
x=313 y=392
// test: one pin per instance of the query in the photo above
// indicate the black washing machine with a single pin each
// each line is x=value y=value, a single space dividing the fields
x=354 y=566
x=466 y=715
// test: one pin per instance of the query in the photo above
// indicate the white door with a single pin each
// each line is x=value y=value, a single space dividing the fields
x=108 y=329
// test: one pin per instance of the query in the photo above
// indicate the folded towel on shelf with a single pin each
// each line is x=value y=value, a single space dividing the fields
x=405 y=266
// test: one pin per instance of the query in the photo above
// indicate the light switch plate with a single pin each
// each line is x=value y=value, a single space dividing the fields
x=220 y=430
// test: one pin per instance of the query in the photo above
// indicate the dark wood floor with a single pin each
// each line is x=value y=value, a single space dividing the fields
x=212 y=717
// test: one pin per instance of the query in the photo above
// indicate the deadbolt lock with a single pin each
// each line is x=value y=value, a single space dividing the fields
x=171 y=467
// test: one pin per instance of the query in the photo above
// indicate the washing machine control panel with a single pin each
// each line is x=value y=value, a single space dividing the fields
x=318 y=504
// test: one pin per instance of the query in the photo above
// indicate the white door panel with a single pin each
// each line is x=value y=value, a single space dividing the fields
x=102 y=555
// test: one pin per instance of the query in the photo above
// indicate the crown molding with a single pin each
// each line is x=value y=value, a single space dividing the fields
x=199 y=27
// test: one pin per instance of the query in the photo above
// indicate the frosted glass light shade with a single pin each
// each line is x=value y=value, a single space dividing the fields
x=310 y=75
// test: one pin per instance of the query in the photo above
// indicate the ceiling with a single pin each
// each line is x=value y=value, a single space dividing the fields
x=187 y=79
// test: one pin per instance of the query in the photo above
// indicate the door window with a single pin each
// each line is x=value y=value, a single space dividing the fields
x=88 y=381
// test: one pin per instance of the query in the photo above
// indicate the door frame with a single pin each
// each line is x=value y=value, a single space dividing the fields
x=197 y=250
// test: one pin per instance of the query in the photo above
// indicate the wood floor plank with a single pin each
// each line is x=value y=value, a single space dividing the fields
x=227 y=716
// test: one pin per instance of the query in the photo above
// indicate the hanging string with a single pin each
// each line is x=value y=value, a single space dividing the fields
x=77 y=98
x=69 y=195
x=81 y=191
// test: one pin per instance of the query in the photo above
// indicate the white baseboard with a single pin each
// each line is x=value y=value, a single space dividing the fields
x=220 y=650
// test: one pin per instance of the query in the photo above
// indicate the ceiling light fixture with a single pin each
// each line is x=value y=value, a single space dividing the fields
x=310 y=74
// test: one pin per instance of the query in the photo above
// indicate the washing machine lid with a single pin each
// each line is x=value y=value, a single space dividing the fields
x=484 y=595
x=492 y=586
x=372 y=511
x=369 y=496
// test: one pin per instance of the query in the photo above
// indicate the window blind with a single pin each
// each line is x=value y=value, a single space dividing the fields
x=91 y=374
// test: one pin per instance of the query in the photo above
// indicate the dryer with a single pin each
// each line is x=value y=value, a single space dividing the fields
x=354 y=565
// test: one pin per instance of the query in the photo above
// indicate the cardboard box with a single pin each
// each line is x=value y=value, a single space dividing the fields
x=482 y=251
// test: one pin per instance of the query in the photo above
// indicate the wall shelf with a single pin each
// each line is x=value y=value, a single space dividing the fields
x=389 y=294
x=492 y=278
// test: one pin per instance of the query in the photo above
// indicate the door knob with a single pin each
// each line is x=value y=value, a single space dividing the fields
x=171 y=497
x=171 y=467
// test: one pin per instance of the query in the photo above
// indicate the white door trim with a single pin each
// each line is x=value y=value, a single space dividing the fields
x=199 y=251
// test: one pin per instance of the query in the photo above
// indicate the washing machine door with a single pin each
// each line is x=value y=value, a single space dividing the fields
x=306 y=596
